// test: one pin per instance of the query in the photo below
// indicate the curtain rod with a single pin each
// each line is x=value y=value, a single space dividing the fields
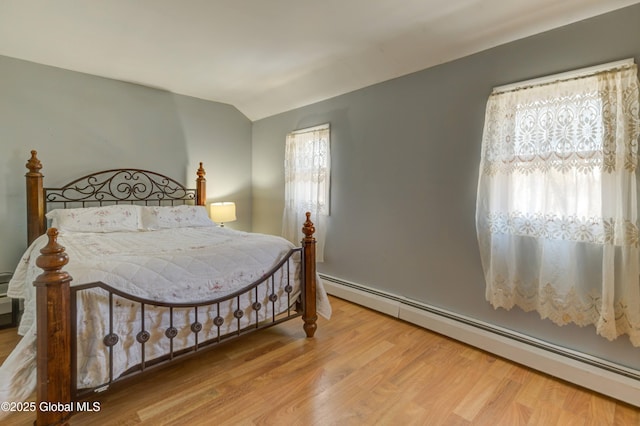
x=582 y=72
x=310 y=129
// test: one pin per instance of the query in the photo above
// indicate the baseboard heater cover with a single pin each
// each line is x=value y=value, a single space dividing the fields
x=605 y=377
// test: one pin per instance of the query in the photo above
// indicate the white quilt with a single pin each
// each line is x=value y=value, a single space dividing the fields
x=171 y=265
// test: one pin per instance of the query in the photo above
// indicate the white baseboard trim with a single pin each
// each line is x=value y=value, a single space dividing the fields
x=584 y=370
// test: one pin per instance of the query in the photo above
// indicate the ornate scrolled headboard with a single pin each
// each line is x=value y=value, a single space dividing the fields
x=115 y=186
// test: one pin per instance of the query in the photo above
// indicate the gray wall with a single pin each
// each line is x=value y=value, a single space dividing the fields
x=80 y=123
x=405 y=157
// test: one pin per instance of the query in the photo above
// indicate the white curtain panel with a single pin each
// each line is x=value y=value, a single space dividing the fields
x=557 y=205
x=307 y=170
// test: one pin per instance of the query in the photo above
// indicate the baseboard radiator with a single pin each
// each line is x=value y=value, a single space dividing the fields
x=607 y=378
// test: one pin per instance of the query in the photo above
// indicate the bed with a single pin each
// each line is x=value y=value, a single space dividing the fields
x=131 y=274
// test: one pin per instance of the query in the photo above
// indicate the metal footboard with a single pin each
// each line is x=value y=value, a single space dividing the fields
x=275 y=297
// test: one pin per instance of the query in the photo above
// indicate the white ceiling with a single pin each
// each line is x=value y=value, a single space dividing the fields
x=270 y=56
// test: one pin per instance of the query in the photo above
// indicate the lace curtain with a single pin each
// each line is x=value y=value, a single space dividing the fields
x=557 y=209
x=307 y=168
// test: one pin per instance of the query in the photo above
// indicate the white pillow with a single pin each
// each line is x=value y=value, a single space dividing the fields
x=115 y=218
x=182 y=216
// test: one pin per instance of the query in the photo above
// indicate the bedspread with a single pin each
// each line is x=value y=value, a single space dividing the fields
x=170 y=265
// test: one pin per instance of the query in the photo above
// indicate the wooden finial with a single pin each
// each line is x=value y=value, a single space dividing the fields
x=201 y=172
x=201 y=186
x=34 y=165
x=308 y=228
x=52 y=258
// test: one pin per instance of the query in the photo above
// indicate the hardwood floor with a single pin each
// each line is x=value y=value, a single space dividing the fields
x=362 y=368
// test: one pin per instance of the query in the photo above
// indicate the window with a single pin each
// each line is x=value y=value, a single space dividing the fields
x=557 y=200
x=307 y=171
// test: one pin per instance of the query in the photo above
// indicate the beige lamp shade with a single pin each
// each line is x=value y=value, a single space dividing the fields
x=222 y=212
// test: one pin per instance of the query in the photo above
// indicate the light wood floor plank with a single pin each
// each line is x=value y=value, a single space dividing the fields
x=362 y=368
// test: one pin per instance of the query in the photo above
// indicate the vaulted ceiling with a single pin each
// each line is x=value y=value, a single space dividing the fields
x=270 y=56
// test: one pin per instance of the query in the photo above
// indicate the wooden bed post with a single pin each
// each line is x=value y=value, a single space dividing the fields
x=54 y=337
x=309 y=315
x=35 y=199
x=201 y=187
